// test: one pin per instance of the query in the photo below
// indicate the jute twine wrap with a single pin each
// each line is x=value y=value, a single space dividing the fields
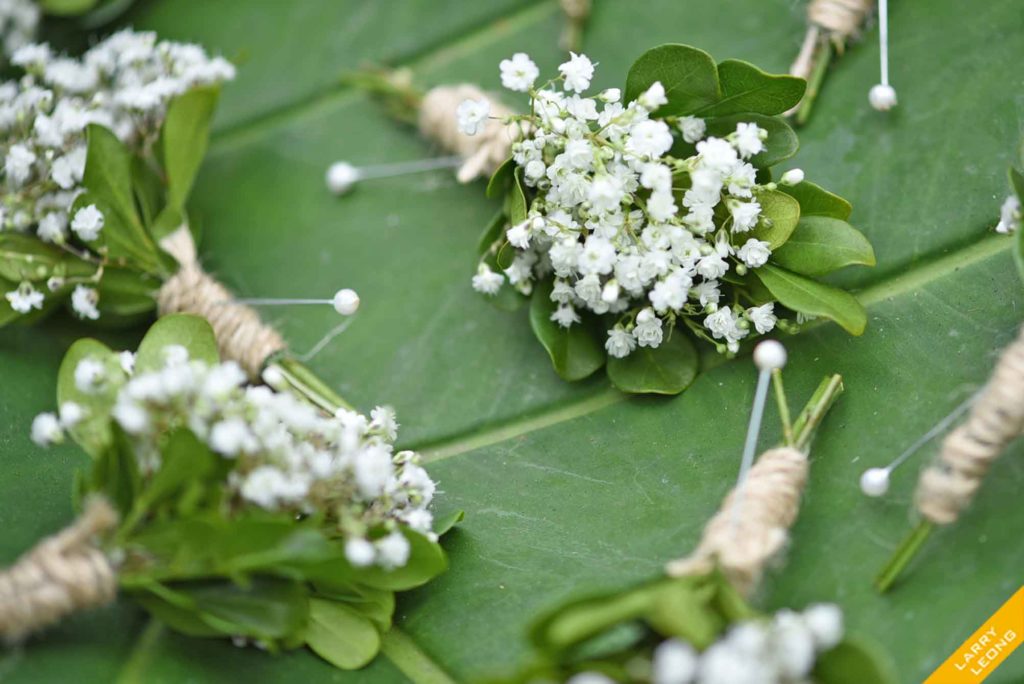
x=241 y=335
x=576 y=10
x=742 y=541
x=947 y=486
x=484 y=152
x=61 y=575
x=840 y=20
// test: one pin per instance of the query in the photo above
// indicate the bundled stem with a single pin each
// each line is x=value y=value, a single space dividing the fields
x=61 y=575
x=752 y=525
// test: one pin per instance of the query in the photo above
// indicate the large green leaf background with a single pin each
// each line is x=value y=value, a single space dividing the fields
x=572 y=488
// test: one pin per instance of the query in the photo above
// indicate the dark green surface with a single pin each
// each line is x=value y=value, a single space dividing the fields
x=607 y=489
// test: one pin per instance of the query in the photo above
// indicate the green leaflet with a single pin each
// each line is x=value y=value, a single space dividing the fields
x=340 y=635
x=93 y=432
x=781 y=144
x=575 y=351
x=780 y=215
x=816 y=201
x=689 y=76
x=809 y=297
x=746 y=88
x=853 y=661
x=185 y=330
x=184 y=139
x=820 y=245
x=667 y=369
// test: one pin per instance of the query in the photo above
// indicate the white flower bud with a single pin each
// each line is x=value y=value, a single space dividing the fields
x=792 y=177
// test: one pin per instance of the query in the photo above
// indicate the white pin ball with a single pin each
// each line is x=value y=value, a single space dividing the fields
x=875 y=481
x=341 y=176
x=346 y=302
x=769 y=355
x=882 y=97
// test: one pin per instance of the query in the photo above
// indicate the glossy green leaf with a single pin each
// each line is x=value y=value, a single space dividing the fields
x=689 y=76
x=264 y=609
x=816 y=201
x=820 y=245
x=125 y=292
x=25 y=258
x=67 y=8
x=780 y=215
x=108 y=179
x=575 y=351
x=854 y=661
x=426 y=561
x=184 y=330
x=501 y=179
x=93 y=431
x=667 y=369
x=812 y=298
x=781 y=143
x=184 y=139
x=746 y=88
x=340 y=635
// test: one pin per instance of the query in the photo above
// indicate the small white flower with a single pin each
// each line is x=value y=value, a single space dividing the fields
x=754 y=253
x=127 y=361
x=597 y=256
x=393 y=550
x=71 y=414
x=487 y=281
x=373 y=469
x=383 y=418
x=674 y=662
x=83 y=302
x=649 y=139
x=610 y=96
x=472 y=115
x=661 y=206
x=648 y=332
x=18 y=164
x=577 y=72
x=692 y=128
x=565 y=316
x=519 y=235
x=53 y=227
x=763 y=317
x=131 y=417
x=749 y=139
x=518 y=73
x=1009 y=215
x=712 y=266
x=656 y=177
x=825 y=622
x=89 y=375
x=25 y=298
x=619 y=343
x=653 y=97
x=717 y=154
x=744 y=215
x=87 y=223
x=230 y=436
x=606 y=193
x=792 y=177
x=46 y=430
x=359 y=552
x=792 y=645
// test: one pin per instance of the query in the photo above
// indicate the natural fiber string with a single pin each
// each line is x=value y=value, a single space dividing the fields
x=743 y=545
x=61 y=575
x=839 y=19
x=241 y=335
x=947 y=487
x=576 y=13
x=484 y=152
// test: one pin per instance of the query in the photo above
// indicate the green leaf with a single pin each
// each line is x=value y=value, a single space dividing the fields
x=813 y=298
x=689 y=76
x=501 y=180
x=667 y=369
x=781 y=143
x=125 y=292
x=746 y=88
x=92 y=432
x=517 y=200
x=853 y=661
x=148 y=188
x=183 y=459
x=184 y=139
x=108 y=179
x=67 y=8
x=445 y=523
x=185 y=330
x=780 y=215
x=115 y=473
x=1017 y=182
x=816 y=201
x=575 y=351
x=426 y=561
x=27 y=258
x=340 y=635
x=266 y=608
x=820 y=245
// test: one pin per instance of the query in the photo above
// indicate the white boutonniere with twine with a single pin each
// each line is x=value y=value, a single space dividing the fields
x=225 y=509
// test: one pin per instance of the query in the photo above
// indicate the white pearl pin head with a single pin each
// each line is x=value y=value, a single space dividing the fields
x=346 y=302
x=341 y=176
x=882 y=97
x=769 y=355
x=875 y=481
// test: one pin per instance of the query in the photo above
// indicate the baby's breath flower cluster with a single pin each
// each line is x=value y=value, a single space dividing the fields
x=123 y=83
x=1009 y=215
x=286 y=456
x=782 y=650
x=624 y=226
x=19 y=20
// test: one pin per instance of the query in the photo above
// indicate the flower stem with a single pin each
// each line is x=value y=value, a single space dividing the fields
x=304 y=383
x=903 y=555
x=821 y=401
x=822 y=58
x=780 y=399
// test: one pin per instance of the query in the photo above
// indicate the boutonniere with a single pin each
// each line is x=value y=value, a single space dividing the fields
x=100 y=155
x=641 y=220
x=226 y=509
x=695 y=624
